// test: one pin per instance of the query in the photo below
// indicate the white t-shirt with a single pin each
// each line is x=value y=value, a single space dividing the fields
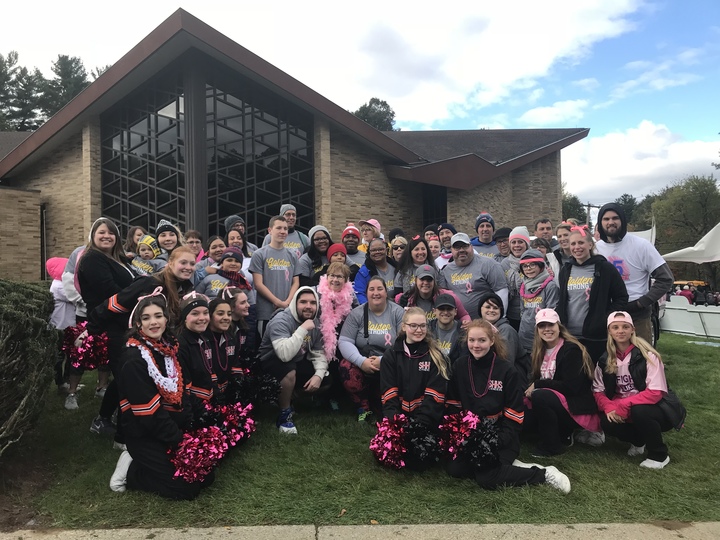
x=635 y=258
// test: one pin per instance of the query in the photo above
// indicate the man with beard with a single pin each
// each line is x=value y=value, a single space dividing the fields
x=470 y=276
x=292 y=350
x=445 y=234
x=296 y=240
x=637 y=260
x=351 y=239
x=502 y=241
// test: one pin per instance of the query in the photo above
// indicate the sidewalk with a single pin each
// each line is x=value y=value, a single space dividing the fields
x=594 y=531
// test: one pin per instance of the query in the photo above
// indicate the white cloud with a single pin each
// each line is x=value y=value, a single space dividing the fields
x=589 y=84
x=638 y=161
x=558 y=113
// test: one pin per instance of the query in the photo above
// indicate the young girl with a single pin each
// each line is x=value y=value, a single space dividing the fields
x=485 y=384
x=223 y=344
x=240 y=306
x=414 y=373
x=414 y=256
x=537 y=291
x=230 y=274
x=195 y=353
x=560 y=398
x=154 y=406
x=629 y=383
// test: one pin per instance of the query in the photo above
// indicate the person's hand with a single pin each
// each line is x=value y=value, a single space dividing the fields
x=81 y=339
x=313 y=383
x=210 y=269
x=308 y=325
x=615 y=418
x=530 y=390
x=464 y=325
x=370 y=365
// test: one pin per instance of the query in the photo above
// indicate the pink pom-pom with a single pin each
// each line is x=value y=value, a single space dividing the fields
x=198 y=453
x=455 y=429
x=236 y=422
x=388 y=444
x=91 y=354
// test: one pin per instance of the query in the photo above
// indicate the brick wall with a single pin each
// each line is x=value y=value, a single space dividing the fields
x=517 y=198
x=356 y=187
x=20 y=234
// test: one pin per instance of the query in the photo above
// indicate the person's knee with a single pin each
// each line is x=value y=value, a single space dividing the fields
x=543 y=398
x=288 y=381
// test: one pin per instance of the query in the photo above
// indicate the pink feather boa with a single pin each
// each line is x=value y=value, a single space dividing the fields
x=334 y=307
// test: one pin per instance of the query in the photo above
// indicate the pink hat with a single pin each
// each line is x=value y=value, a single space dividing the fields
x=547 y=315
x=350 y=229
x=373 y=222
x=620 y=316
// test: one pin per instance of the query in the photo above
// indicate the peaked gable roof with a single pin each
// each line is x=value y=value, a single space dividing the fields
x=175 y=36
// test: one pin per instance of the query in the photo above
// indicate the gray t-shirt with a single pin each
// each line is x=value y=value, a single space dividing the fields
x=446 y=338
x=470 y=282
x=382 y=330
x=277 y=268
x=357 y=258
x=486 y=250
x=305 y=267
x=547 y=298
x=511 y=267
x=389 y=276
x=578 y=287
x=295 y=241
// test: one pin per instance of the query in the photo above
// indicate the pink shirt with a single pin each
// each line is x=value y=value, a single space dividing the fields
x=549 y=363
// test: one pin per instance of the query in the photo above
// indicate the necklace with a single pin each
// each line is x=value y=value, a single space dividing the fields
x=472 y=381
x=217 y=353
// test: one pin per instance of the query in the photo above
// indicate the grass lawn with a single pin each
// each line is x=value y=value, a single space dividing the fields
x=327 y=475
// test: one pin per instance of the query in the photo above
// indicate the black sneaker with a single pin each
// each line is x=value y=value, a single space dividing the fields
x=102 y=426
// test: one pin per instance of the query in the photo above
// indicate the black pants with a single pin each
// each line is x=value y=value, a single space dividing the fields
x=151 y=470
x=595 y=348
x=646 y=427
x=304 y=370
x=111 y=399
x=502 y=475
x=550 y=419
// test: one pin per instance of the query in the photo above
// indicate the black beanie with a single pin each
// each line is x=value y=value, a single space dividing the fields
x=491 y=296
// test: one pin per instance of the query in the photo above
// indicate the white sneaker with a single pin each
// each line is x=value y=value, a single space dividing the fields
x=652 y=464
x=288 y=428
x=118 y=480
x=636 y=450
x=591 y=438
x=557 y=479
x=518 y=463
x=71 y=402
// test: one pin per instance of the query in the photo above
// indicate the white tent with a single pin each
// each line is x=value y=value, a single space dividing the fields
x=706 y=250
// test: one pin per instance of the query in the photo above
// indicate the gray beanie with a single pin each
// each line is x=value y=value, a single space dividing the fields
x=285 y=207
x=532 y=256
x=232 y=220
x=317 y=228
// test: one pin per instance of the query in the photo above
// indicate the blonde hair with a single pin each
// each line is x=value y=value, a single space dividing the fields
x=436 y=353
x=339 y=268
x=498 y=342
x=643 y=346
x=539 y=347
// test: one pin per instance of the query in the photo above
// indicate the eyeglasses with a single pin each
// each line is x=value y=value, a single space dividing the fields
x=335 y=276
x=527 y=265
x=377 y=250
x=415 y=327
x=366 y=229
x=502 y=240
x=398 y=246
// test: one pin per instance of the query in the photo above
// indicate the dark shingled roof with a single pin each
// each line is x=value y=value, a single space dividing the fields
x=493 y=145
x=10 y=139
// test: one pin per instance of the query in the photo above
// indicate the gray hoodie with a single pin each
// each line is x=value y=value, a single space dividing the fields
x=290 y=342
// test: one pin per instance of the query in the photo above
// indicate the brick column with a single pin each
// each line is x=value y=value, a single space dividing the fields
x=323 y=176
x=90 y=205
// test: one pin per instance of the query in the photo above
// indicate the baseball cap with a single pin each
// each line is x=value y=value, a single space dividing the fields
x=547 y=315
x=460 y=237
x=425 y=270
x=445 y=300
x=620 y=316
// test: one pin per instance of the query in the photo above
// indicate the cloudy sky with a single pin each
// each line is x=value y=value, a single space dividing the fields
x=642 y=75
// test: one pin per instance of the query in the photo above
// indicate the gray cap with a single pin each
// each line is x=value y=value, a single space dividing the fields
x=460 y=237
x=445 y=300
x=425 y=270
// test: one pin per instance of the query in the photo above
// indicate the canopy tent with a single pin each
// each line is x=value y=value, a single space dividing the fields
x=706 y=250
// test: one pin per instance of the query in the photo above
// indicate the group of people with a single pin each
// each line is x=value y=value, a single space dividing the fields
x=545 y=337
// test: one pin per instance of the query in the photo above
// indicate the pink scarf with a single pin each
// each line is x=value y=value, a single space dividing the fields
x=334 y=307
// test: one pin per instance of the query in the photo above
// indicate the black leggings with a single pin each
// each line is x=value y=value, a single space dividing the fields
x=646 y=427
x=550 y=418
x=502 y=475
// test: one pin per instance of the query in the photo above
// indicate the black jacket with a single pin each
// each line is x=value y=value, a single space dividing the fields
x=570 y=380
x=503 y=399
x=412 y=385
x=637 y=368
x=100 y=277
x=607 y=294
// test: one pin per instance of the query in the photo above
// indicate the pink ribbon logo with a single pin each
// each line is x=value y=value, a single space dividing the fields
x=287 y=275
x=388 y=339
x=468 y=287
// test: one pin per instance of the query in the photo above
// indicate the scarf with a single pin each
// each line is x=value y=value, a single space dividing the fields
x=237 y=279
x=530 y=288
x=334 y=307
x=170 y=386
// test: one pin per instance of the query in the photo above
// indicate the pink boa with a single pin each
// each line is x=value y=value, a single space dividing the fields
x=334 y=307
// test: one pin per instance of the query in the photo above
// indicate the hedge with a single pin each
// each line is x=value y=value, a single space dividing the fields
x=28 y=348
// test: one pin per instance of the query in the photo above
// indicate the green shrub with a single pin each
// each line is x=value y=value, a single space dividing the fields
x=28 y=348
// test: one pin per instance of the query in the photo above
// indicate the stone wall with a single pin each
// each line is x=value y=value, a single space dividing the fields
x=20 y=234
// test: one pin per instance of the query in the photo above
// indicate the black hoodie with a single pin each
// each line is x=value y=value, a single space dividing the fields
x=623 y=220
